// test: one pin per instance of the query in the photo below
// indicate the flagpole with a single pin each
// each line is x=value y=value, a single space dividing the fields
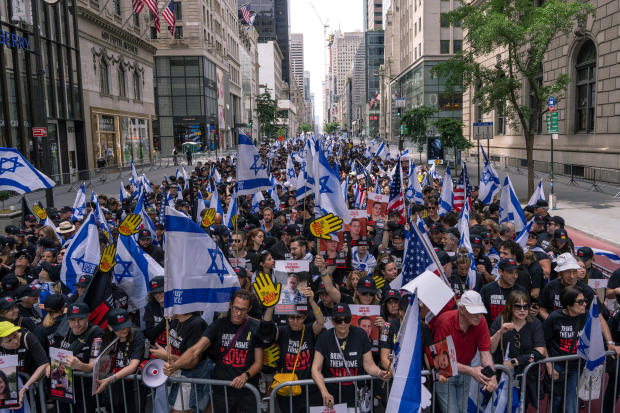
x=168 y=339
x=433 y=256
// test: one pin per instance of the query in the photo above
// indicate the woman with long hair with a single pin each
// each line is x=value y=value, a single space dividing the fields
x=46 y=332
x=255 y=240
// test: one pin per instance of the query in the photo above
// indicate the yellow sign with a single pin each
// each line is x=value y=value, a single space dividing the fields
x=267 y=292
x=208 y=218
x=107 y=258
x=130 y=224
x=324 y=226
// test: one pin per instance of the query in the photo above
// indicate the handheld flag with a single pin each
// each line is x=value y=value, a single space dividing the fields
x=123 y=193
x=489 y=181
x=194 y=280
x=215 y=203
x=79 y=205
x=201 y=205
x=509 y=207
x=414 y=190
x=591 y=347
x=251 y=170
x=18 y=175
x=524 y=235
x=396 y=201
x=233 y=210
x=463 y=227
x=330 y=197
x=539 y=194
x=291 y=175
x=446 y=200
x=82 y=256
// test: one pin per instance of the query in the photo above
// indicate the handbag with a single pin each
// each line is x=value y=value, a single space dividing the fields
x=284 y=377
x=364 y=395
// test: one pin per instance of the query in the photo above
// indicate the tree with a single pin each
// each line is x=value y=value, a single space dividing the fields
x=451 y=134
x=331 y=127
x=267 y=113
x=281 y=131
x=305 y=128
x=416 y=123
x=515 y=35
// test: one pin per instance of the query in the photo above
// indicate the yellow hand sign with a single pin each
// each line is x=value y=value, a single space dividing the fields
x=324 y=226
x=379 y=281
x=39 y=211
x=208 y=218
x=271 y=355
x=107 y=262
x=267 y=293
x=130 y=224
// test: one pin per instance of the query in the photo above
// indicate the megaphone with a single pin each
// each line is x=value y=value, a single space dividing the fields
x=153 y=373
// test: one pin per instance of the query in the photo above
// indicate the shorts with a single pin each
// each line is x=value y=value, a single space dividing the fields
x=184 y=396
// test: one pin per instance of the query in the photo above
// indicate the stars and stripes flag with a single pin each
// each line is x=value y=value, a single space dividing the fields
x=168 y=14
x=246 y=13
x=152 y=5
x=397 y=201
x=374 y=100
x=137 y=6
x=462 y=190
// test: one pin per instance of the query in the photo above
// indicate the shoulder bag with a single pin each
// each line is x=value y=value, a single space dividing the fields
x=284 y=377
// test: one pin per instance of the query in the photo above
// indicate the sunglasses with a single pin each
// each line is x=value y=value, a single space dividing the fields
x=340 y=320
x=521 y=307
x=581 y=302
x=236 y=240
x=366 y=294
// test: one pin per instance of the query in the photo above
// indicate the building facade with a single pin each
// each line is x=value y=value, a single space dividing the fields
x=374 y=60
x=273 y=23
x=248 y=57
x=297 y=61
x=40 y=86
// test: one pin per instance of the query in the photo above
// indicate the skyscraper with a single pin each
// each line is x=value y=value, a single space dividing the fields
x=297 y=61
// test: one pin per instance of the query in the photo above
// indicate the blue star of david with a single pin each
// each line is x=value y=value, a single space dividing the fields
x=409 y=193
x=324 y=188
x=255 y=166
x=125 y=270
x=291 y=174
x=87 y=267
x=486 y=177
x=12 y=168
x=215 y=253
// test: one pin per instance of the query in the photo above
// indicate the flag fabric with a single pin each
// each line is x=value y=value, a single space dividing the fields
x=446 y=200
x=99 y=298
x=306 y=178
x=134 y=174
x=123 y=193
x=194 y=280
x=291 y=175
x=273 y=192
x=246 y=13
x=256 y=198
x=345 y=187
x=397 y=201
x=330 y=197
x=489 y=181
x=251 y=170
x=18 y=175
x=215 y=203
x=498 y=403
x=79 y=205
x=217 y=178
x=161 y=214
x=406 y=391
x=137 y=6
x=382 y=151
x=509 y=207
x=524 y=235
x=133 y=270
x=200 y=206
x=539 y=194
x=462 y=190
x=82 y=256
x=604 y=253
x=152 y=5
x=231 y=213
x=414 y=191
x=465 y=242
x=591 y=347
x=168 y=14
x=99 y=216
x=146 y=223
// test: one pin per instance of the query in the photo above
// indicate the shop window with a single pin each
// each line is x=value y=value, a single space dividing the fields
x=137 y=90
x=122 y=82
x=104 y=77
x=586 y=87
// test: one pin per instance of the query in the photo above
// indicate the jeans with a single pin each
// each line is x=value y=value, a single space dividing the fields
x=568 y=387
x=452 y=396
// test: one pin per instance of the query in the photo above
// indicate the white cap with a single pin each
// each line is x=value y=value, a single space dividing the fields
x=472 y=301
x=566 y=262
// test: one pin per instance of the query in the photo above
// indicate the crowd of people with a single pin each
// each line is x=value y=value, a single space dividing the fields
x=527 y=304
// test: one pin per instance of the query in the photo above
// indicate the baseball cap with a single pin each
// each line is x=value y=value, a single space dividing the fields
x=66 y=209
x=9 y=282
x=367 y=285
x=30 y=218
x=443 y=257
x=241 y=272
x=585 y=253
x=78 y=310
x=363 y=241
x=435 y=227
x=341 y=310
x=23 y=253
x=321 y=288
x=390 y=295
x=52 y=269
x=54 y=302
x=539 y=219
x=472 y=301
x=560 y=234
x=507 y=264
x=83 y=281
x=7 y=302
x=30 y=290
x=558 y=221
x=476 y=241
x=7 y=328
x=156 y=285
x=541 y=203
x=119 y=319
x=145 y=233
x=292 y=229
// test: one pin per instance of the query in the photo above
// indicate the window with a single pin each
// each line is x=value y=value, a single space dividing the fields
x=457 y=46
x=443 y=20
x=153 y=33
x=178 y=10
x=458 y=23
x=136 y=20
x=104 y=81
x=117 y=7
x=178 y=32
x=122 y=82
x=137 y=92
x=444 y=46
x=586 y=87
x=500 y=119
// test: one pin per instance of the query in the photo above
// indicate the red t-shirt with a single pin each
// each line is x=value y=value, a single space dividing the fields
x=466 y=344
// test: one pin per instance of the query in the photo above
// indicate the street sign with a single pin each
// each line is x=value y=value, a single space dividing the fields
x=552 y=122
x=403 y=129
x=39 y=132
x=483 y=130
x=551 y=103
x=400 y=102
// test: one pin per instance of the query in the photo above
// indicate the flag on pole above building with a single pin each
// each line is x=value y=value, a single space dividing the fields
x=168 y=14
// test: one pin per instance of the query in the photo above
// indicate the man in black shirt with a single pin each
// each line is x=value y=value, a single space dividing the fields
x=495 y=293
x=586 y=255
x=146 y=243
x=28 y=296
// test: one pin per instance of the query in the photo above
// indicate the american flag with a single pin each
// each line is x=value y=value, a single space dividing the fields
x=397 y=201
x=462 y=191
x=156 y=23
x=168 y=14
x=137 y=6
x=152 y=5
x=419 y=255
x=374 y=100
x=247 y=13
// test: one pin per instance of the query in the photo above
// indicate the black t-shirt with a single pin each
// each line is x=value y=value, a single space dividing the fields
x=85 y=346
x=288 y=342
x=562 y=334
x=522 y=342
x=30 y=313
x=51 y=336
x=231 y=363
x=614 y=326
x=524 y=279
x=459 y=284
x=614 y=282
x=388 y=340
x=537 y=275
x=155 y=323
x=342 y=264
x=327 y=311
x=124 y=352
x=186 y=334
x=494 y=299
x=550 y=296
x=30 y=354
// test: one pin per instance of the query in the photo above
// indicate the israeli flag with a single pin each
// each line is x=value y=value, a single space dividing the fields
x=604 y=253
x=83 y=255
x=216 y=176
x=330 y=197
x=256 y=198
x=123 y=193
x=232 y=211
x=147 y=223
x=185 y=178
x=539 y=194
x=134 y=173
x=133 y=270
x=251 y=170
x=524 y=235
x=414 y=190
x=291 y=175
x=215 y=203
x=99 y=217
x=406 y=392
x=79 y=205
x=509 y=207
x=18 y=175
x=273 y=192
x=463 y=227
x=446 y=200
x=306 y=178
x=382 y=151
x=489 y=181
x=201 y=206
x=197 y=275
x=591 y=347
x=345 y=187
x=145 y=184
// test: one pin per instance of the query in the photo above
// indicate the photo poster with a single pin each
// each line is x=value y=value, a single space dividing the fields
x=364 y=316
x=103 y=365
x=377 y=199
x=61 y=375
x=290 y=296
x=8 y=376
x=336 y=408
x=358 y=219
x=442 y=358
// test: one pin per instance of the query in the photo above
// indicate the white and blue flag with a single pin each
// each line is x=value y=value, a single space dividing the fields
x=414 y=190
x=489 y=181
x=79 y=205
x=604 y=253
x=591 y=347
x=123 y=193
x=217 y=178
x=509 y=207
x=524 y=235
x=215 y=203
x=465 y=242
x=201 y=205
x=539 y=194
x=232 y=212
x=306 y=179
x=147 y=223
x=251 y=170
x=291 y=175
x=446 y=200
x=382 y=151
x=273 y=192
x=134 y=174
x=83 y=254
x=18 y=175
x=330 y=197
x=197 y=276
x=256 y=198
x=99 y=216
x=133 y=270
